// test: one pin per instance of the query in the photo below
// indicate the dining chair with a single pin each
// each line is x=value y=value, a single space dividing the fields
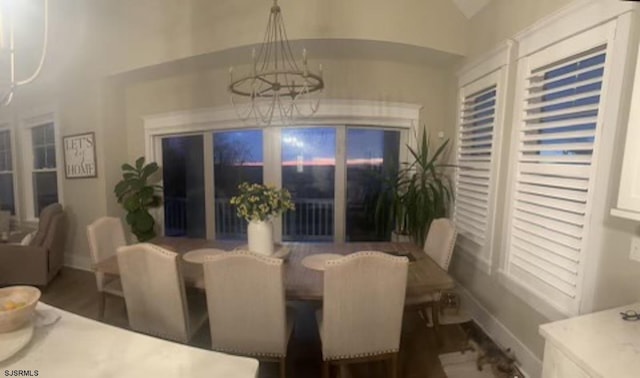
x=361 y=317
x=155 y=295
x=247 y=308
x=439 y=246
x=105 y=236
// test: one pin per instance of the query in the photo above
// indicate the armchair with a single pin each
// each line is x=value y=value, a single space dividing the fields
x=38 y=262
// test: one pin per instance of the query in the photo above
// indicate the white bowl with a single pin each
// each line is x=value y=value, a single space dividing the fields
x=17 y=304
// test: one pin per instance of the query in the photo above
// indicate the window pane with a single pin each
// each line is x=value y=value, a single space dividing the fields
x=50 y=161
x=39 y=157
x=5 y=151
x=237 y=157
x=37 y=135
x=6 y=193
x=45 y=190
x=49 y=136
x=183 y=175
x=371 y=156
x=308 y=172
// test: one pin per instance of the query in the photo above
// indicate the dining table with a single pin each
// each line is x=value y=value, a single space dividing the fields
x=425 y=276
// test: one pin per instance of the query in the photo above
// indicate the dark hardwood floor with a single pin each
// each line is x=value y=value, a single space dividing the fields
x=75 y=291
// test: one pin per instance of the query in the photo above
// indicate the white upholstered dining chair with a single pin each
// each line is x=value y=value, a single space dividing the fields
x=155 y=295
x=105 y=236
x=361 y=317
x=439 y=245
x=246 y=303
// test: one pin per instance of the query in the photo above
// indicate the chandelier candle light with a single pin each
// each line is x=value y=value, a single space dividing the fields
x=276 y=84
x=258 y=204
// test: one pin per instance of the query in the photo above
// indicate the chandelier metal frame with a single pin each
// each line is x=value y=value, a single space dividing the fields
x=6 y=96
x=276 y=83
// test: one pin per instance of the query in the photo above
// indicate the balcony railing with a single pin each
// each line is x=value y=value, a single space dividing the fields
x=312 y=220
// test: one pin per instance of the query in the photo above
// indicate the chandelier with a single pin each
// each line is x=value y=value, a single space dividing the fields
x=7 y=15
x=276 y=84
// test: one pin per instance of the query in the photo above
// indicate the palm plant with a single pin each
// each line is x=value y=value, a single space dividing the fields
x=416 y=194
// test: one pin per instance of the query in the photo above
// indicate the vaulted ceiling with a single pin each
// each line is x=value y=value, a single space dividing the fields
x=470 y=7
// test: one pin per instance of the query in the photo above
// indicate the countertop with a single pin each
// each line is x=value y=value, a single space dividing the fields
x=601 y=343
x=79 y=347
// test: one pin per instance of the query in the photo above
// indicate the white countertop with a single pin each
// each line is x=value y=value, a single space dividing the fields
x=81 y=347
x=601 y=343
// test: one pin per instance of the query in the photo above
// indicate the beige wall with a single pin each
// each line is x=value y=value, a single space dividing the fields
x=502 y=19
x=148 y=32
x=345 y=78
x=616 y=277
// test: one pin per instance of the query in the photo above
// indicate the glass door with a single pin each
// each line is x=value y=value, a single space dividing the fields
x=308 y=172
x=372 y=157
x=237 y=157
x=183 y=186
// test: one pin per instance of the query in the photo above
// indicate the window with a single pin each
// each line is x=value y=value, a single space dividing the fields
x=7 y=200
x=44 y=174
x=183 y=186
x=237 y=158
x=556 y=143
x=480 y=125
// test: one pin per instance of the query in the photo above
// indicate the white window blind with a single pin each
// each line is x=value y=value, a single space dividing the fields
x=477 y=129
x=555 y=149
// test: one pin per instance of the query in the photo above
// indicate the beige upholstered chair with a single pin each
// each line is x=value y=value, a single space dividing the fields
x=246 y=303
x=155 y=295
x=5 y=221
x=439 y=245
x=105 y=236
x=361 y=317
x=40 y=261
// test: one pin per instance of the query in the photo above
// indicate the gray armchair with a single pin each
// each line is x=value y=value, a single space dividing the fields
x=38 y=262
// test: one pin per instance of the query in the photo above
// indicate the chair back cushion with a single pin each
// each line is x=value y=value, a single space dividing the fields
x=46 y=215
x=5 y=221
x=246 y=304
x=154 y=291
x=363 y=304
x=55 y=242
x=105 y=236
x=440 y=242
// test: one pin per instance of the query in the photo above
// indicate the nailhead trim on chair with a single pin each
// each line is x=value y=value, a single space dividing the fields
x=248 y=254
x=359 y=355
x=452 y=242
x=259 y=354
x=377 y=254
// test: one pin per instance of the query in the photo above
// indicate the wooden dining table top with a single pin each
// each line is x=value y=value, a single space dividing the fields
x=301 y=283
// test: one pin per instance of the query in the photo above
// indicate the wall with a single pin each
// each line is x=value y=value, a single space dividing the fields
x=615 y=276
x=149 y=32
x=345 y=78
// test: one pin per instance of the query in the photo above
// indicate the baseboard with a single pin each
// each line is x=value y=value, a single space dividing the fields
x=78 y=262
x=529 y=363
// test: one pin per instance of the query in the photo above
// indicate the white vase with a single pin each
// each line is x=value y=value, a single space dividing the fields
x=260 y=235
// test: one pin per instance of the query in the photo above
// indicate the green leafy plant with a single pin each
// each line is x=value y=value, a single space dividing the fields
x=257 y=202
x=416 y=194
x=137 y=196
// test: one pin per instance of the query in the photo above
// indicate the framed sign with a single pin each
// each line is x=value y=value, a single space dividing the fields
x=80 y=156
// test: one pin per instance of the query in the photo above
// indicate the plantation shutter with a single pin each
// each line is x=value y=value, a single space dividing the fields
x=477 y=128
x=557 y=140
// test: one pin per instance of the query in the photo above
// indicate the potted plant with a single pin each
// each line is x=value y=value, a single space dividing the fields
x=258 y=204
x=137 y=196
x=415 y=194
